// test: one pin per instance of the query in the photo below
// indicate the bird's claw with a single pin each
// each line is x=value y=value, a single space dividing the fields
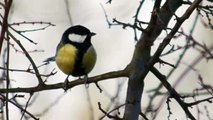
x=66 y=84
x=86 y=82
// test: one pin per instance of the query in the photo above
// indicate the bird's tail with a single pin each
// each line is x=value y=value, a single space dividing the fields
x=50 y=59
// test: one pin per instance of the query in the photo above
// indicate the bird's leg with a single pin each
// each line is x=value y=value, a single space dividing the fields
x=86 y=82
x=66 y=83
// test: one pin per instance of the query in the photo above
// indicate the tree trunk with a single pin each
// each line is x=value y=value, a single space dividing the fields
x=159 y=20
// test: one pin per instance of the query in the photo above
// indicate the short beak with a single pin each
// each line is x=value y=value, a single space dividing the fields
x=92 y=34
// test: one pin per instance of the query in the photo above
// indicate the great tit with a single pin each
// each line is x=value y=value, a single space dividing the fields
x=75 y=54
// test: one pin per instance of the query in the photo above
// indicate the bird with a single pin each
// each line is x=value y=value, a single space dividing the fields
x=75 y=54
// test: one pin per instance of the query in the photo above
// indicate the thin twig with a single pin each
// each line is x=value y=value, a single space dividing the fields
x=53 y=72
x=29 y=58
x=26 y=106
x=7 y=76
x=91 y=113
x=172 y=92
x=68 y=11
x=5 y=22
x=31 y=115
x=108 y=113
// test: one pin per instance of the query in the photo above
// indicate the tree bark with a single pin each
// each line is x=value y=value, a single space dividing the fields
x=159 y=20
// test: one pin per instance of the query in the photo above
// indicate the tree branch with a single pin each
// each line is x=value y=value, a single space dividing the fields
x=5 y=22
x=40 y=81
x=71 y=84
x=173 y=92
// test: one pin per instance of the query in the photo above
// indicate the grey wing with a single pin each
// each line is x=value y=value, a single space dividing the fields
x=58 y=47
x=50 y=59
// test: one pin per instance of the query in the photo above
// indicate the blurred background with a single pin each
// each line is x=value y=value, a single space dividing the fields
x=114 y=48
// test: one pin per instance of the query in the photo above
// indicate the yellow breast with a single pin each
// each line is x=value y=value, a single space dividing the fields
x=65 y=58
x=89 y=59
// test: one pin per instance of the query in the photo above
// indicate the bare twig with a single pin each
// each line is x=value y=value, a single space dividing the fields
x=172 y=92
x=29 y=58
x=26 y=106
x=68 y=11
x=5 y=22
x=7 y=77
x=22 y=109
x=28 y=70
x=108 y=113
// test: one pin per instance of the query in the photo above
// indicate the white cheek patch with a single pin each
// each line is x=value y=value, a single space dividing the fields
x=77 y=38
